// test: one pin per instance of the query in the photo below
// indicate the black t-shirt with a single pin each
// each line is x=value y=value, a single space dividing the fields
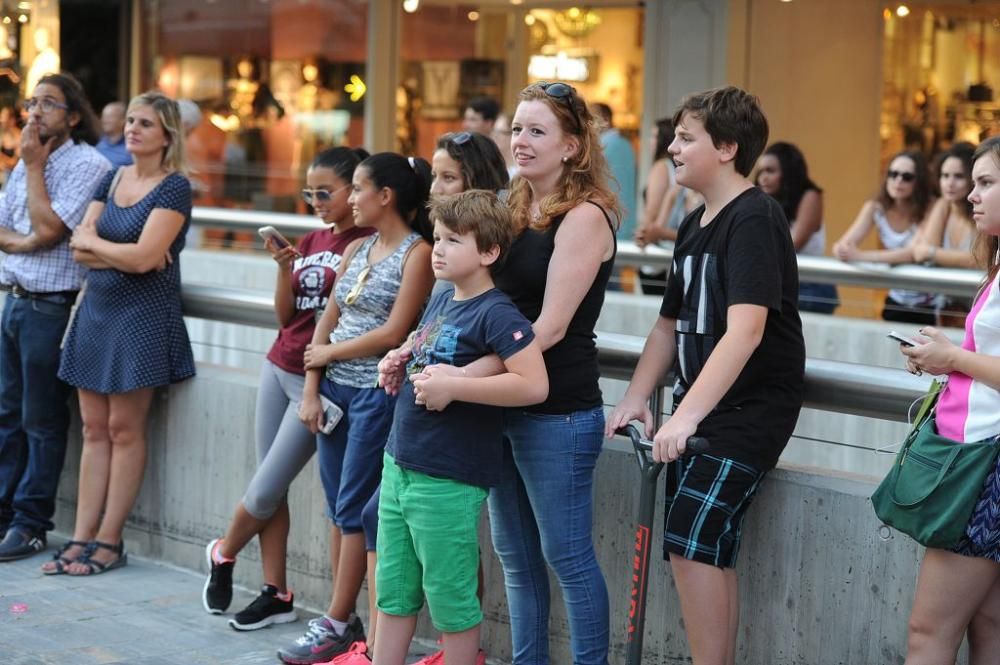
x=571 y=362
x=464 y=441
x=744 y=256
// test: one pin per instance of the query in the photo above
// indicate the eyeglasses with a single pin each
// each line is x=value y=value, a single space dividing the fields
x=46 y=104
x=564 y=93
x=905 y=176
x=314 y=196
x=355 y=292
x=460 y=138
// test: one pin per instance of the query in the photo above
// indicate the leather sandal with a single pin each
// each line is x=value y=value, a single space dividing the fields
x=61 y=561
x=97 y=567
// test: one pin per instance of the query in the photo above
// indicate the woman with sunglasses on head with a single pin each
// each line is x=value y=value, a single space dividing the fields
x=556 y=273
x=783 y=174
x=896 y=215
x=382 y=285
x=306 y=275
x=949 y=231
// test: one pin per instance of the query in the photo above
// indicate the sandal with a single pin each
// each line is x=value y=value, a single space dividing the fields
x=97 y=567
x=61 y=561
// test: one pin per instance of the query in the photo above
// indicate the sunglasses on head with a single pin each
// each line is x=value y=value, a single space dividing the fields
x=905 y=176
x=564 y=93
x=461 y=138
x=314 y=196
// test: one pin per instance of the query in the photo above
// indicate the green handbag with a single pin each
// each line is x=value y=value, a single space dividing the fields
x=934 y=484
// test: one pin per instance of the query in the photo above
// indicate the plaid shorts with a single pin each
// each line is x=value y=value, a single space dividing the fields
x=707 y=498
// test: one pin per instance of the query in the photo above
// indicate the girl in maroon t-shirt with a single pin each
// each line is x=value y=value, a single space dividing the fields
x=284 y=445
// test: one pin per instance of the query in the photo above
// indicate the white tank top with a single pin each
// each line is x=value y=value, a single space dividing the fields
x=893 y=239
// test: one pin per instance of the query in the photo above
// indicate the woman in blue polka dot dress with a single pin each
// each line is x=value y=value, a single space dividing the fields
x=128 y=336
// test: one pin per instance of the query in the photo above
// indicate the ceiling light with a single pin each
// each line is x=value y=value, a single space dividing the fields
x=410 y=6
x=473 y=15
x=529 y=19
x=902 y=11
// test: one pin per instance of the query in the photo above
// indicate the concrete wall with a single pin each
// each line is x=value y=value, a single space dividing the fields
x=819 y=584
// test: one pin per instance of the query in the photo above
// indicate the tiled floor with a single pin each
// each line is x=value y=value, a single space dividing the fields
x=143 y=614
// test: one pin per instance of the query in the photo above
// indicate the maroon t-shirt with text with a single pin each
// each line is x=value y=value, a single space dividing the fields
x=313 y=275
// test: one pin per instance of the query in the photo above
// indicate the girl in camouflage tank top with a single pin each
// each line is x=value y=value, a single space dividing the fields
x=378 y=295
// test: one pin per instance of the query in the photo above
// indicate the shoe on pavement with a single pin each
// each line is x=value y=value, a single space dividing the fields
x=18 y=544
x=358 y=654
x=437 y=658
x=267 y=609
x=321 y=643
x=218 y=590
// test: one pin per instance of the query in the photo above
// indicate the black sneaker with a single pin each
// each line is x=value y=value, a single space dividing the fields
x=18 y=544
x=218 y=591
x=265 y=610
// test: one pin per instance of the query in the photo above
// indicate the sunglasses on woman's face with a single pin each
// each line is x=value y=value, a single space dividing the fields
x=565 y=94
x=905 y=176
x=314 y=196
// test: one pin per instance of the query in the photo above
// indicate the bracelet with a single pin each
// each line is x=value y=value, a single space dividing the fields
x=931 y=253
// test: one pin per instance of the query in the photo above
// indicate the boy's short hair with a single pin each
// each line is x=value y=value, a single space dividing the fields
x=479 y=212
x=730 y=115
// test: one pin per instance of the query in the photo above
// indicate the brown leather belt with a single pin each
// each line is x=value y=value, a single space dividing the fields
x=19 y=291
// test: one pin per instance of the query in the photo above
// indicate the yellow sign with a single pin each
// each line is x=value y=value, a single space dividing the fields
x=356 y=88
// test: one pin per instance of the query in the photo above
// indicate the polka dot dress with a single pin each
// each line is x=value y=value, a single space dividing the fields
x=129 y=331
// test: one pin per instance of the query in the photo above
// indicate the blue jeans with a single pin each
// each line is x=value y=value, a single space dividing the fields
x=350 y=458
x=542 y=512
x=34 y=415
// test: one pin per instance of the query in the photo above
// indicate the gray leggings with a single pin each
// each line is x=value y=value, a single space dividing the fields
x=284 y=444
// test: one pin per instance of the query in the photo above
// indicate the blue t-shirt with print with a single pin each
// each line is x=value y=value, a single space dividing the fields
x=464 y=441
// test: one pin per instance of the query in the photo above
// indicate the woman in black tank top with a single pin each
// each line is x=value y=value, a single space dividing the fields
x=556 y=274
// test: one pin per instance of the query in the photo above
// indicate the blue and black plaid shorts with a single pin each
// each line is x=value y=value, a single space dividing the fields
x=706 y=500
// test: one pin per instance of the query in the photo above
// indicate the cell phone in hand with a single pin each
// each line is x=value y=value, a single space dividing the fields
x=331 y=415
x=272 y=234
x=905 y=341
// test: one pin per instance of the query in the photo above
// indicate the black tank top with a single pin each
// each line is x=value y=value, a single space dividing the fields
x=572 y=362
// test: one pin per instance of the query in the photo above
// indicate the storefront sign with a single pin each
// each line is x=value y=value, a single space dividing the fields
x=560 y=67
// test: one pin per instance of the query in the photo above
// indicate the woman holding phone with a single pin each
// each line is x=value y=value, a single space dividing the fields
x=958 y=590
x=306 y=275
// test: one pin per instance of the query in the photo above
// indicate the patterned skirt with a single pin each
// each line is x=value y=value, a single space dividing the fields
x=982 y=535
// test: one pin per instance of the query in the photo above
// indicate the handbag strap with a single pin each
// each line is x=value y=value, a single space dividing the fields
x=945 y=467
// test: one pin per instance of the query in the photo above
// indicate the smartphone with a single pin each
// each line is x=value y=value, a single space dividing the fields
x=269 y=232
x=331 y=415
x=905 y=341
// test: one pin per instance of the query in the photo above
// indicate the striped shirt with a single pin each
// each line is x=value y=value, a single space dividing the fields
x=72 y=173
x=370 y=310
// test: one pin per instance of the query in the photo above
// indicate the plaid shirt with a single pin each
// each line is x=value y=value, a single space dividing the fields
x=72 y=173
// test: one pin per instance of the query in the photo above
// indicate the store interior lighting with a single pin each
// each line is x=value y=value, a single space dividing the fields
x=902 y=11
x=410 y=6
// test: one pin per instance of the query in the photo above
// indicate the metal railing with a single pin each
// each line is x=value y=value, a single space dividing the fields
x=849 y=388
x=949 y=281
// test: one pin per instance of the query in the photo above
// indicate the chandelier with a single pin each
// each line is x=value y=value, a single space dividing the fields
x=575 y=22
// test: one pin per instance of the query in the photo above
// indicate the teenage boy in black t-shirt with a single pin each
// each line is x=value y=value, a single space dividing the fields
x=444 y=449
x=730 y=328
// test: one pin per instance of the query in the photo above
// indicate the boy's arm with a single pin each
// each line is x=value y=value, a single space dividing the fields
x=524 y=383
x=744 y=331
x=657 y=357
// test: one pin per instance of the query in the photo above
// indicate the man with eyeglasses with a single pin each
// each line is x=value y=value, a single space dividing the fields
x=44 y=200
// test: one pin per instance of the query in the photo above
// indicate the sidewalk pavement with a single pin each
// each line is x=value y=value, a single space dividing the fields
x=143 y=614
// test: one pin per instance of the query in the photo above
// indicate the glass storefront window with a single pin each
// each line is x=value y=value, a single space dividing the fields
x=276 y=81
x=941 y=77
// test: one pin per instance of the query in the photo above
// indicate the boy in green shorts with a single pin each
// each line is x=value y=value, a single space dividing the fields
x=444 y=448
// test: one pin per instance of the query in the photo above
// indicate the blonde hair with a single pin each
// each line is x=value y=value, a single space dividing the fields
x=585 y=176
x=170 y=119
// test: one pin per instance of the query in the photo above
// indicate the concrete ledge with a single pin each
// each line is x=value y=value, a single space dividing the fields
x=819 y=584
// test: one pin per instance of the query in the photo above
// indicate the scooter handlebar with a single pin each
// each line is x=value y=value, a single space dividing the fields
x=696 y=445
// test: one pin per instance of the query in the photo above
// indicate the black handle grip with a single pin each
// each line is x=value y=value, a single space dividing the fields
x=696 y=445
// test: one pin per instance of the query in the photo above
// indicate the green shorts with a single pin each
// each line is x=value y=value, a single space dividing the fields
x=428 y=546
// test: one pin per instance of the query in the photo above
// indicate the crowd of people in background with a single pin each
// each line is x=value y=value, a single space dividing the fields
x=455 y=301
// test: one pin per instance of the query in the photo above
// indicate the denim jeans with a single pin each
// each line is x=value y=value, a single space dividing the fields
x=350 y=458
x=34 y=415
x=542 y=512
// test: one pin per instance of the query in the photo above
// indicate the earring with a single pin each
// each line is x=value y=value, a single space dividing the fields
x=565 y=160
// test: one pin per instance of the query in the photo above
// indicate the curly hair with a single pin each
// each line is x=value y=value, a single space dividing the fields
x=585 y=176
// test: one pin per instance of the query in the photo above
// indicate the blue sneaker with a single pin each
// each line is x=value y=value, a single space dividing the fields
x=321 y=642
